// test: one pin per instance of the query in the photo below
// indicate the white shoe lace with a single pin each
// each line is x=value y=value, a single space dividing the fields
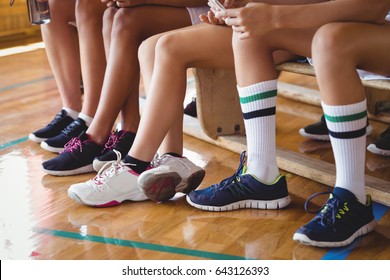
x=109 y=170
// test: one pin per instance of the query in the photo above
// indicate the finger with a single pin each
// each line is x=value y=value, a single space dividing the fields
x=231 y=21
x=204 y=18
x=238 y=29
x=228 y=13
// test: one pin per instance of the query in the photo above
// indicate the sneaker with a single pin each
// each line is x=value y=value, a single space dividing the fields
x=319 y=130
x=76 y=158
x=170 y=175
x=241 y=191
x=339 y=222
x=56 y=144
x=60 y=121
x=121 y=141
x=114 y=183
x=382 y=145
x=190 y=109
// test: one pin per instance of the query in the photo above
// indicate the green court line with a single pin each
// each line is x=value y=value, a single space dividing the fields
x=12 y=143
x=138 y=245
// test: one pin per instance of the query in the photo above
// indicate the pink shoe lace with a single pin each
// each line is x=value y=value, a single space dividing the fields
x=115 y=136
x=72 y=145
x=109 y=170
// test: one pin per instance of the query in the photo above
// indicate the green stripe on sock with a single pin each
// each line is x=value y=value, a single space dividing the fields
x=258 y=96
x=348 y=118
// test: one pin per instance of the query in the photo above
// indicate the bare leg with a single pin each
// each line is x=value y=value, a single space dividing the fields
x=89 y=23
x=198 y=46
x=370 y=55
x=62 y=50
x=121 y=83
x=108 y=19
x=343 y=94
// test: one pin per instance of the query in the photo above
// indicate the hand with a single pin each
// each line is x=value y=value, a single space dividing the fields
x=124 y=3
x=211 y=19
x=253 y=20
x=109 y=3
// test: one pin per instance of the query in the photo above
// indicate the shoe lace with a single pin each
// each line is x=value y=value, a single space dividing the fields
x=57 y=118
x=157 y=160
x=71 y=127
x=333 y=209
x=72 y=145
x=235 y=179
x=109 y=170
x=112 y=140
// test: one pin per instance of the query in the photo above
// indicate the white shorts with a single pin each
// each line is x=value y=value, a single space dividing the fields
x=195 y=12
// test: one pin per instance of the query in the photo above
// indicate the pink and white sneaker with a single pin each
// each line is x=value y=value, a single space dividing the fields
x=114 y=183
x=168 y=176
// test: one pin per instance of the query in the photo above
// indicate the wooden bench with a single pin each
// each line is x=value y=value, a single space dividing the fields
x=220 y=121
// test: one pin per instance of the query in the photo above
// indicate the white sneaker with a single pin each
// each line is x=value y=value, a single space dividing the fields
x=168 y=176
x=114 y=183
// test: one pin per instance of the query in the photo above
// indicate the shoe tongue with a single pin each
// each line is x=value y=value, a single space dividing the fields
x=344 y=194
x=83 y=136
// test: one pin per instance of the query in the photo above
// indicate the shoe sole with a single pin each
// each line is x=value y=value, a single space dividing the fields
x=162 y=187
x=81 y=170
x=304 y=239
x=373 y=149
x=74 y=196
x=245 y=204
x=46 y=147
x=318 y=137
x=33 y=138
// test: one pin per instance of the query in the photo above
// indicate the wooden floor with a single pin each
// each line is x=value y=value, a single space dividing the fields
x=39 y=221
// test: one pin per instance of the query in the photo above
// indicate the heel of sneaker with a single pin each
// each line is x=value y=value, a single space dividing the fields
x=193 y=182
x=159 y=187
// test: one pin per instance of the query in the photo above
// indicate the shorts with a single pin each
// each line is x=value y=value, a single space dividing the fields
x=195 y=12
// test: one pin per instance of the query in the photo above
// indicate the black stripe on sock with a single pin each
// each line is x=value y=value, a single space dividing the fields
x=260 y=113
x=349 y=134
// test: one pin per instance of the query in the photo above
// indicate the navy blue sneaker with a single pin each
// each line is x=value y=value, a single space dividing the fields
x=60 y=121
x=121 y=141
x=319 y=130
x=241 y=191
x=339 y=222
x=382 y=145
x=76 y=158
x=56 y=144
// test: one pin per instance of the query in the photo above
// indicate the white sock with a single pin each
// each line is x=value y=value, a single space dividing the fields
x=72 y=113
x=86 y=118
x=347 y=131
x=258 y=104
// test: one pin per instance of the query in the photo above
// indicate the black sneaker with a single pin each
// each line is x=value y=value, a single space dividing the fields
x=190 y=109
x=60 y=121
x=56 y=144
x=76 y=158
x=319 y=130
x=382 y=145
x=121 y=141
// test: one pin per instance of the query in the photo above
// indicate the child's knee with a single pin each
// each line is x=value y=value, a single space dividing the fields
x=331 y=40
x=168 y=47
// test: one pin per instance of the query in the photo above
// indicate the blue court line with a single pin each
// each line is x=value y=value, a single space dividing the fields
x=26 y=83
x=342 y=253
x=14 y=142
x=138 y=245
